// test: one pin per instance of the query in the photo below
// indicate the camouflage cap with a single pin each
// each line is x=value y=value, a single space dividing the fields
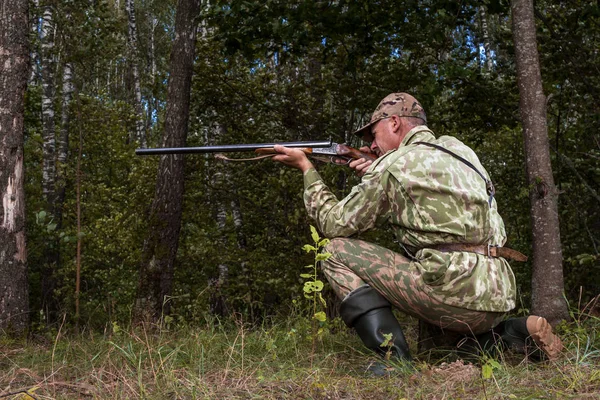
x=400 y=104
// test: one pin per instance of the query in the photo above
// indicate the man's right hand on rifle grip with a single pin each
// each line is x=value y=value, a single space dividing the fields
x=361 y=165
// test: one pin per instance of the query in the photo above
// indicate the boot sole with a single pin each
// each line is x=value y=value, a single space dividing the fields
x=541 y=333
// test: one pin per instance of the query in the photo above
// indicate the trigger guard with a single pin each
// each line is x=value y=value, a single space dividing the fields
x=332 y=159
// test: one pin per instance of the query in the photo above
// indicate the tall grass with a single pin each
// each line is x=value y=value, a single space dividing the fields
x=232 y=360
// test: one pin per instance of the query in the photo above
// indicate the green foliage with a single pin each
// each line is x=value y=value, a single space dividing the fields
x=488 y=367
x=313 y=286
x=296 y=70
x=114 y=190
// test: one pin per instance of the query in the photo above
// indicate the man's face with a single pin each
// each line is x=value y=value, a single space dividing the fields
x=384 y=135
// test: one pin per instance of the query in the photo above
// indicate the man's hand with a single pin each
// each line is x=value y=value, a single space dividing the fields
x=361 y=165
x=293 y=158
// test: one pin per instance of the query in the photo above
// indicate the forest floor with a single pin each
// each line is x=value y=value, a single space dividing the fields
x=281 y=361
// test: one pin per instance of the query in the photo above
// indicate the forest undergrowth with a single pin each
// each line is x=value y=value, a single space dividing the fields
x=277 y=360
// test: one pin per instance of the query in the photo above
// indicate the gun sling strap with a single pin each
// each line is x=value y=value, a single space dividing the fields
x=486 y=250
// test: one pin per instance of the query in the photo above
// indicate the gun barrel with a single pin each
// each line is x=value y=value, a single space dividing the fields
x=230 y=148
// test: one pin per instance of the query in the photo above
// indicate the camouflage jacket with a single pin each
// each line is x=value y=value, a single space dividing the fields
x=428 y=197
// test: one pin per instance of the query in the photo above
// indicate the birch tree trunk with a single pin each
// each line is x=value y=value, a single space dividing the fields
x=132 y=43
x=33 y=51
x=160 y=246
x=48 y=91
x=486 y=39
x=14 y=59
x=47 y=74
x=218 y=178
x=218 y=301
x=547 y=280
x=63 y=141
x=152 y=103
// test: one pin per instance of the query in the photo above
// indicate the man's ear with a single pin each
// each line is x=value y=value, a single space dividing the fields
x=396 y=122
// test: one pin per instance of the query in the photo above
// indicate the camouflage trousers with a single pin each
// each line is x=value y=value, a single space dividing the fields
x=355 y=263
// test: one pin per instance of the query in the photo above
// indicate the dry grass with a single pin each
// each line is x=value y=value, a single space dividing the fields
x=237 y=362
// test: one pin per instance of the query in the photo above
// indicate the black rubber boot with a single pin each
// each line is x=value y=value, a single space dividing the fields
x=537 y=340
x=532 y=336
x=370 y=314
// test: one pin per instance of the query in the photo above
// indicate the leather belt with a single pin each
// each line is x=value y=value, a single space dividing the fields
x=490 y=251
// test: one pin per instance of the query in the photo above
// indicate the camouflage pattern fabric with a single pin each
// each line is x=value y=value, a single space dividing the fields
x=427 y=197
x=401 y=104
x=354 y=263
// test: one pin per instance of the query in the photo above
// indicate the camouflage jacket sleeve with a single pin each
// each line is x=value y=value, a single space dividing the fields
x=364 y=208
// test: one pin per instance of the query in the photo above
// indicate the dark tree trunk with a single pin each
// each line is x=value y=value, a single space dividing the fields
x=547 y=280
x=160 y=246
x=14 y=59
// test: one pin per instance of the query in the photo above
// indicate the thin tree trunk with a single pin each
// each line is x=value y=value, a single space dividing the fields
x=79 y=237
x=238 y=223
x=547 y=279
x=133 y=54
x=317 y=94
x=48 y=130
x=486 y=39
x=48 y=67
x=33 y=62
x=63 y=141
x=218 y=179
x=14 y=59
x=152 y=103
x=160 y=246
x=218 y=302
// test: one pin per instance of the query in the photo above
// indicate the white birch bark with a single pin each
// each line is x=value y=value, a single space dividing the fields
x=63 y=141
x=67 y=94
x=33 y=52
x=486 y=39
x=133 y=52
x=48 y=92
x=219 y=179
x=152 y=103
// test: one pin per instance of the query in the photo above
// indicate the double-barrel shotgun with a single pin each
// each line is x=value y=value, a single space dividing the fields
x=324 y=150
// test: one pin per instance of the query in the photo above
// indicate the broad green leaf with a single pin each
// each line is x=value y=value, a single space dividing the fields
x=314 y=234
x=308 y=287
x=487 y=371
x=322 y=256
x=320 y=316
x=324 y=242
x=308 y=248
